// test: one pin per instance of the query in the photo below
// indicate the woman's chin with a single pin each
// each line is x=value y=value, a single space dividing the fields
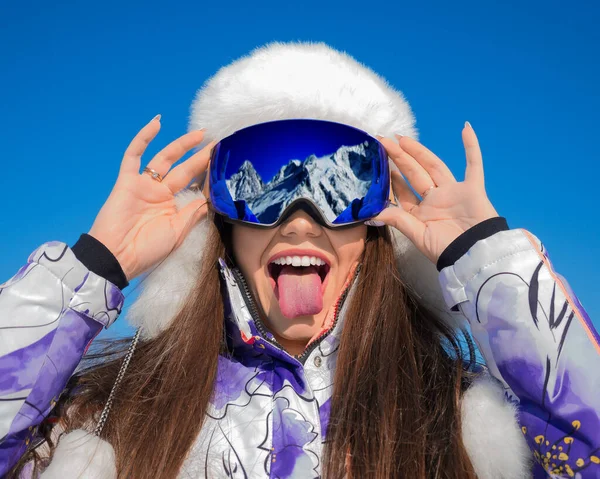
x=301 y=328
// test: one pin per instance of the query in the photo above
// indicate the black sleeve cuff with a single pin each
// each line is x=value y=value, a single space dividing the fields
x=463 y=243
x=97 y=258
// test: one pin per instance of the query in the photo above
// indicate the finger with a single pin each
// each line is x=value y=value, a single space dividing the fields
x=405 y=195
x=437 y=169
x=474 y=171
x=404 y=222
x=188 y=216
x=133 y=154
x=165 y=158
x=416 y=175
x=180 y=176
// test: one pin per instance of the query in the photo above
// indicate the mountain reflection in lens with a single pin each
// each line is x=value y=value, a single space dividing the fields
x=257 y=172
x=332 y=182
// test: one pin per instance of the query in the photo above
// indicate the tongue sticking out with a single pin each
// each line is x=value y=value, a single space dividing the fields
x=299 y=291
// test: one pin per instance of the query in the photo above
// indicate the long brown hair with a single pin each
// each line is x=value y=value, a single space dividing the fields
x=397 y=385
x=395 y=408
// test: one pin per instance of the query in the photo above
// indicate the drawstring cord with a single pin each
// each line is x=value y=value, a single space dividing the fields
x=118 y=380
x=131 y=350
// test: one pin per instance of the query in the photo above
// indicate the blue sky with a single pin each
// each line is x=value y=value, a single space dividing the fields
x=78 y=79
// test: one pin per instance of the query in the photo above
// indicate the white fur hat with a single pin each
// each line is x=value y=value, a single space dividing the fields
x=281 y=81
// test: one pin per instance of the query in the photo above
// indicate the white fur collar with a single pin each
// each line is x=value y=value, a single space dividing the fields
x=80 y=454
x=490 y=431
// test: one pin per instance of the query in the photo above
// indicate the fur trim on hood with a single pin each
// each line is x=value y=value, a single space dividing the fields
x=81 y=454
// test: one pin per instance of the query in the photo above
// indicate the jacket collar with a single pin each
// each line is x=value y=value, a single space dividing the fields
x=246 y=332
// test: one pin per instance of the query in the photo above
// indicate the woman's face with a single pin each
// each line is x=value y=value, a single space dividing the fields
x=297 y=271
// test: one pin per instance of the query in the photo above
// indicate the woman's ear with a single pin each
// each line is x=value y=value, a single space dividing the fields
x=373 y=232
x=203 y=181
x=226 y=232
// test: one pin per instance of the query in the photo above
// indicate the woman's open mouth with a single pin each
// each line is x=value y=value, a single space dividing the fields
x=299 y=283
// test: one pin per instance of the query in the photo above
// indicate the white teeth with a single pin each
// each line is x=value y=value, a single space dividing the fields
x=299 y=261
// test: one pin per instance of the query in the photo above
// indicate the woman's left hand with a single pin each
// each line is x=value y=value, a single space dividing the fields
x=449 y=207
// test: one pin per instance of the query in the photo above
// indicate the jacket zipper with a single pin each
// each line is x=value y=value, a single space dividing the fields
x=252 y=308
x=249 y=300
x=338 y=306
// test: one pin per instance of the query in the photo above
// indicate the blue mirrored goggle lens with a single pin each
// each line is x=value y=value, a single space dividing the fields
x=257 y=172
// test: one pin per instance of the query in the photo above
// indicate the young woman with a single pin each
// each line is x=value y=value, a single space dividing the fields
x=288 y=331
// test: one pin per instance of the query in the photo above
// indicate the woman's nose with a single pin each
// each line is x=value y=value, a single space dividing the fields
x=300 y=223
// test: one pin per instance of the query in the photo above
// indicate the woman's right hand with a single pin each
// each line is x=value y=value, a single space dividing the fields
x=139 y=222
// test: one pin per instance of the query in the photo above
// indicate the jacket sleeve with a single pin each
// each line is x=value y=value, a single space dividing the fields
x=50 y=312
x=538 y=341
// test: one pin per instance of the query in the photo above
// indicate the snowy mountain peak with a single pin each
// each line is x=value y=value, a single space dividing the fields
x=245 y=183
x=286 y=170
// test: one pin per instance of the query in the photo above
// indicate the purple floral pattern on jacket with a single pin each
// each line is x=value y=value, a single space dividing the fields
x=50 y=310
x=536 y=339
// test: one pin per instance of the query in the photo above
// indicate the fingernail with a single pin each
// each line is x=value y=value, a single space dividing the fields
x=398 y=135
x=374 y=223
x=157 y=117
x=378 y=135
x=468 y=125
x=202 y=129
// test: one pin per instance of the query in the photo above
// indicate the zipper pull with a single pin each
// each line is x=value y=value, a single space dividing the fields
x=226 y=273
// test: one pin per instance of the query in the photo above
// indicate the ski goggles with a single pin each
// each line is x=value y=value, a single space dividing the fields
x=337 y=173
